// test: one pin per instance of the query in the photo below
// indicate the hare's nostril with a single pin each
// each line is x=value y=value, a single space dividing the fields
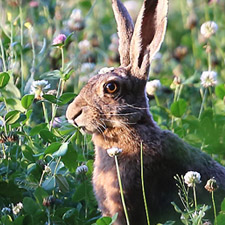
x=78 y=113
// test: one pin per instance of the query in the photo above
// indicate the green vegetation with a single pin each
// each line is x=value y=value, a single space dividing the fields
x=46 y=164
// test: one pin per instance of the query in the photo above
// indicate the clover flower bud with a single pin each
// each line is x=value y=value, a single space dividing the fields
x=191 y=178
x=208 y=29
x=60 y=39
x=81 y=169
x=211 y=185
x=114 y=151
x=152 y=86
x=208 y=79
x=16 y=209
x=47 y=169
x=49 y=201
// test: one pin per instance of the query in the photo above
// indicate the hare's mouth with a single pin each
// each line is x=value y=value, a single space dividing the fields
x=82 y=129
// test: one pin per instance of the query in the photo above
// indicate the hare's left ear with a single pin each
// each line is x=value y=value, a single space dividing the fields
x=125 y=29
x=148 y=35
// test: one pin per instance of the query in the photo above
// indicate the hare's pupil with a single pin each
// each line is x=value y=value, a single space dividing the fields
x=111 y=87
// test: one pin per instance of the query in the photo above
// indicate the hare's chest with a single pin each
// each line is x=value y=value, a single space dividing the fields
x=106 y=185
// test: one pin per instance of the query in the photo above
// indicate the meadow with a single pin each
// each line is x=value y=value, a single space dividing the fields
x=48 y=51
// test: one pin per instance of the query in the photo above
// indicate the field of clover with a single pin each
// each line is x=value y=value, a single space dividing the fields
x=48 y=51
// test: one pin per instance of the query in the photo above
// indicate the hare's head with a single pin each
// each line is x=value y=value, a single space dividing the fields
x=117 y=98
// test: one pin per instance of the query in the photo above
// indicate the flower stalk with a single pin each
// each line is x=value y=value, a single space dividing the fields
x=143 y=187
x=121 y=190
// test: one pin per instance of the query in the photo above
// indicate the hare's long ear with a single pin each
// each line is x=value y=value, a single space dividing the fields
x=125 y=29
x=148 y=35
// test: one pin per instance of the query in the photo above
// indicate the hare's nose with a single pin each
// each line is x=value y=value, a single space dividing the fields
x=73 y=111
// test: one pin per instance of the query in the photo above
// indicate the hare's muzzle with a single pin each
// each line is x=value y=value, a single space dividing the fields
x=73 y=111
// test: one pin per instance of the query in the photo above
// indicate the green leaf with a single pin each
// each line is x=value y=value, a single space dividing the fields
x=47 y=136
x=7 y=220
x=114 y=218
x=68 y=39
x=177 y=209
x=53 y=147
x=49 y=184
x=50 y=98
x=19 y=220
x=40 y=194
x=220 y=91
x=223 y=205
x=178 y=108
x=68 y=213
x=81 y=192
x=67 y=75
x=62 y=150
x=4 y=79
x=70 y=159
x=66 y=97
x=30 y=206
x=62 y=183
x=27 y=152
x=221 y=219
x=104 y=221
x=36 y=130
x=12 y=116
x=27 y=100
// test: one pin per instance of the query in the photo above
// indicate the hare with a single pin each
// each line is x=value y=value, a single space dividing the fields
x=113 y=107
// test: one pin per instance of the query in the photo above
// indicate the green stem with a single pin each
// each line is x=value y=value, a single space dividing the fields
x=42 y=176
x=156 y=100
x=57 y=164
x=203 y=103
x=143 y=187
x=214 y=208
x=3 y=151
x=49 y=218
x=45 y=113
x=121 y=190
x=195 y=199
x=21 y=52
x=3 y=56
x=59 y=91
x=62 y=53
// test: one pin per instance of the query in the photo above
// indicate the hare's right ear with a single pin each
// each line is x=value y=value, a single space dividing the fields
x=125 y=29
x=148 y=35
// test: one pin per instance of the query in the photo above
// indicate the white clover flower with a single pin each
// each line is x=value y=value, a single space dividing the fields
x=208 y=78
x=105 y=70
x=87 y=67
x=208 y=29
x=152 y=86
x=84 y=45
x=37 y=88
x=114 y=151
x=16 y=209
x=76 y=20
x=47 y=169
x=76 y=15
x=191 y=178
x=81 y=169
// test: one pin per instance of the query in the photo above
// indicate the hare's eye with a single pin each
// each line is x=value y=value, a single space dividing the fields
x=111 y=87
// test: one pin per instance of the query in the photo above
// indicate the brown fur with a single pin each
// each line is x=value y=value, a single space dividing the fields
x=123 y=120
